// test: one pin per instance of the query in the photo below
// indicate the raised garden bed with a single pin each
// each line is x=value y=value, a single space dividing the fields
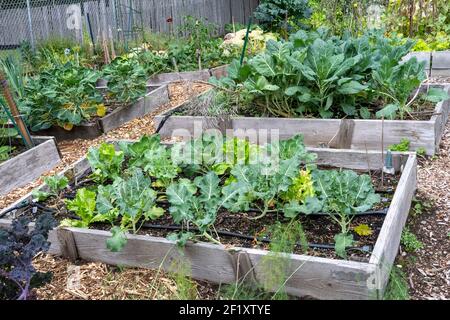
x=119 y=116
x=28 y=165
x=355 y=134
x=314 y=276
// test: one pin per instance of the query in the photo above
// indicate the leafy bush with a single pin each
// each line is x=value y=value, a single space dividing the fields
x=127 y=79
x=62 y=96
x=18 y=247
x=316 y=74
x=282 y=15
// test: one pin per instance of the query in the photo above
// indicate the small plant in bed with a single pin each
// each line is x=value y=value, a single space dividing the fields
x=210 y=186
x=316 y=74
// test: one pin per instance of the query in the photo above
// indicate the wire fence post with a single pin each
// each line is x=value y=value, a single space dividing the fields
x=30 y=24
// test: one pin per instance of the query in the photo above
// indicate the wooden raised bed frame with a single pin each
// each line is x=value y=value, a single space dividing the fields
x=335 y=133
x=321 y=278
x=143 y=106
x=29 y=165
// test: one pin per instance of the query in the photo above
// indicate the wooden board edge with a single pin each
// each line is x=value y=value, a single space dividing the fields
x=386 y=246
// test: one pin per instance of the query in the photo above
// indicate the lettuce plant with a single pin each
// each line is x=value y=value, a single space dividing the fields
x=106 y=162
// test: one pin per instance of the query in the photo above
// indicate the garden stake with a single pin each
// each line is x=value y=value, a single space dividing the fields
x=16 y=118
x=246 y=40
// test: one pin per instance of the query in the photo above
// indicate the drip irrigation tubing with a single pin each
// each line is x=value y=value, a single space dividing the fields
x=45 y=209
x=366 y=249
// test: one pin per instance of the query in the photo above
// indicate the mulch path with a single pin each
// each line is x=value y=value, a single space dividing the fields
x=428 y=269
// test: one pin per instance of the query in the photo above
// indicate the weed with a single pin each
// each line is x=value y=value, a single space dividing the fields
x=410 y=241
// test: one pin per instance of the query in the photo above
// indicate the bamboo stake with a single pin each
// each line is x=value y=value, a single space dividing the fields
x=15 y=112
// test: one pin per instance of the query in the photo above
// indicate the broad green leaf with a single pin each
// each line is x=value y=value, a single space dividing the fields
x=388 y=111
x=342 y=242
x=117 y=241
x=351 y=87
x=436 y=95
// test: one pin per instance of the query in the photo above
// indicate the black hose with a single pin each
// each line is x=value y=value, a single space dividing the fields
x=247 y=237
x=164 y=120
x=19 y=206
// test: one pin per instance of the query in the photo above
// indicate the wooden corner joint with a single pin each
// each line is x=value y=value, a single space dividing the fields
x=243 y=268
x=67 y=244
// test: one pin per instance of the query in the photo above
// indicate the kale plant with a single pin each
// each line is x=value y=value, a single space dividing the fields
x=18 y=246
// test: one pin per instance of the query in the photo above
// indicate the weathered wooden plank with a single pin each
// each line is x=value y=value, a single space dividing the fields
x=207 y=262
x=320 y=278
x=440 y=63
x=140 y=108
x=167 y=78
x=28 y=166
x=388 y=241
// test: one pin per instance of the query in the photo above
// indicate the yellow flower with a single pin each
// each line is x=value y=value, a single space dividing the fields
x=68 y=126
x=101 y=110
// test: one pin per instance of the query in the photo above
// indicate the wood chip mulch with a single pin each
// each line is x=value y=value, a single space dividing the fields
x=98 y=281
x=76 y=149
x=428 y=269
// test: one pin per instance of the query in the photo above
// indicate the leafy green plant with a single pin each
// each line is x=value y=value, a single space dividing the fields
x=317 y=74
x=343 y=194
x=260 y=184
x=106 y=162
x=62 y=96
x=410 y=241
x=127 y=79
x=84 y=206
x=55 y=185
x=282 y=15
x=402 y=146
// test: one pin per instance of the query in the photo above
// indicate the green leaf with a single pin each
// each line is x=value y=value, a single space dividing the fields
x=342 y=242
x=117 y=241
x=365 y=113
x=181 y=238
x=351 y=87
x=264 y=65
x=436 y=95
x=388 y=111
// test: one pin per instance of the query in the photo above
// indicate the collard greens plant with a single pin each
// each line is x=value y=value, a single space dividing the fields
x=316 y=74
x=62 y=96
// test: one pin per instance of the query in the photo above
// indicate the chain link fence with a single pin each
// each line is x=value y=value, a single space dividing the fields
x=35 y=20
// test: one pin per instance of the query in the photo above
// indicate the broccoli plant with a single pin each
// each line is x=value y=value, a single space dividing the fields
x=343 y=194
x=55 y=185
x=18 y=246
x=197 y=203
